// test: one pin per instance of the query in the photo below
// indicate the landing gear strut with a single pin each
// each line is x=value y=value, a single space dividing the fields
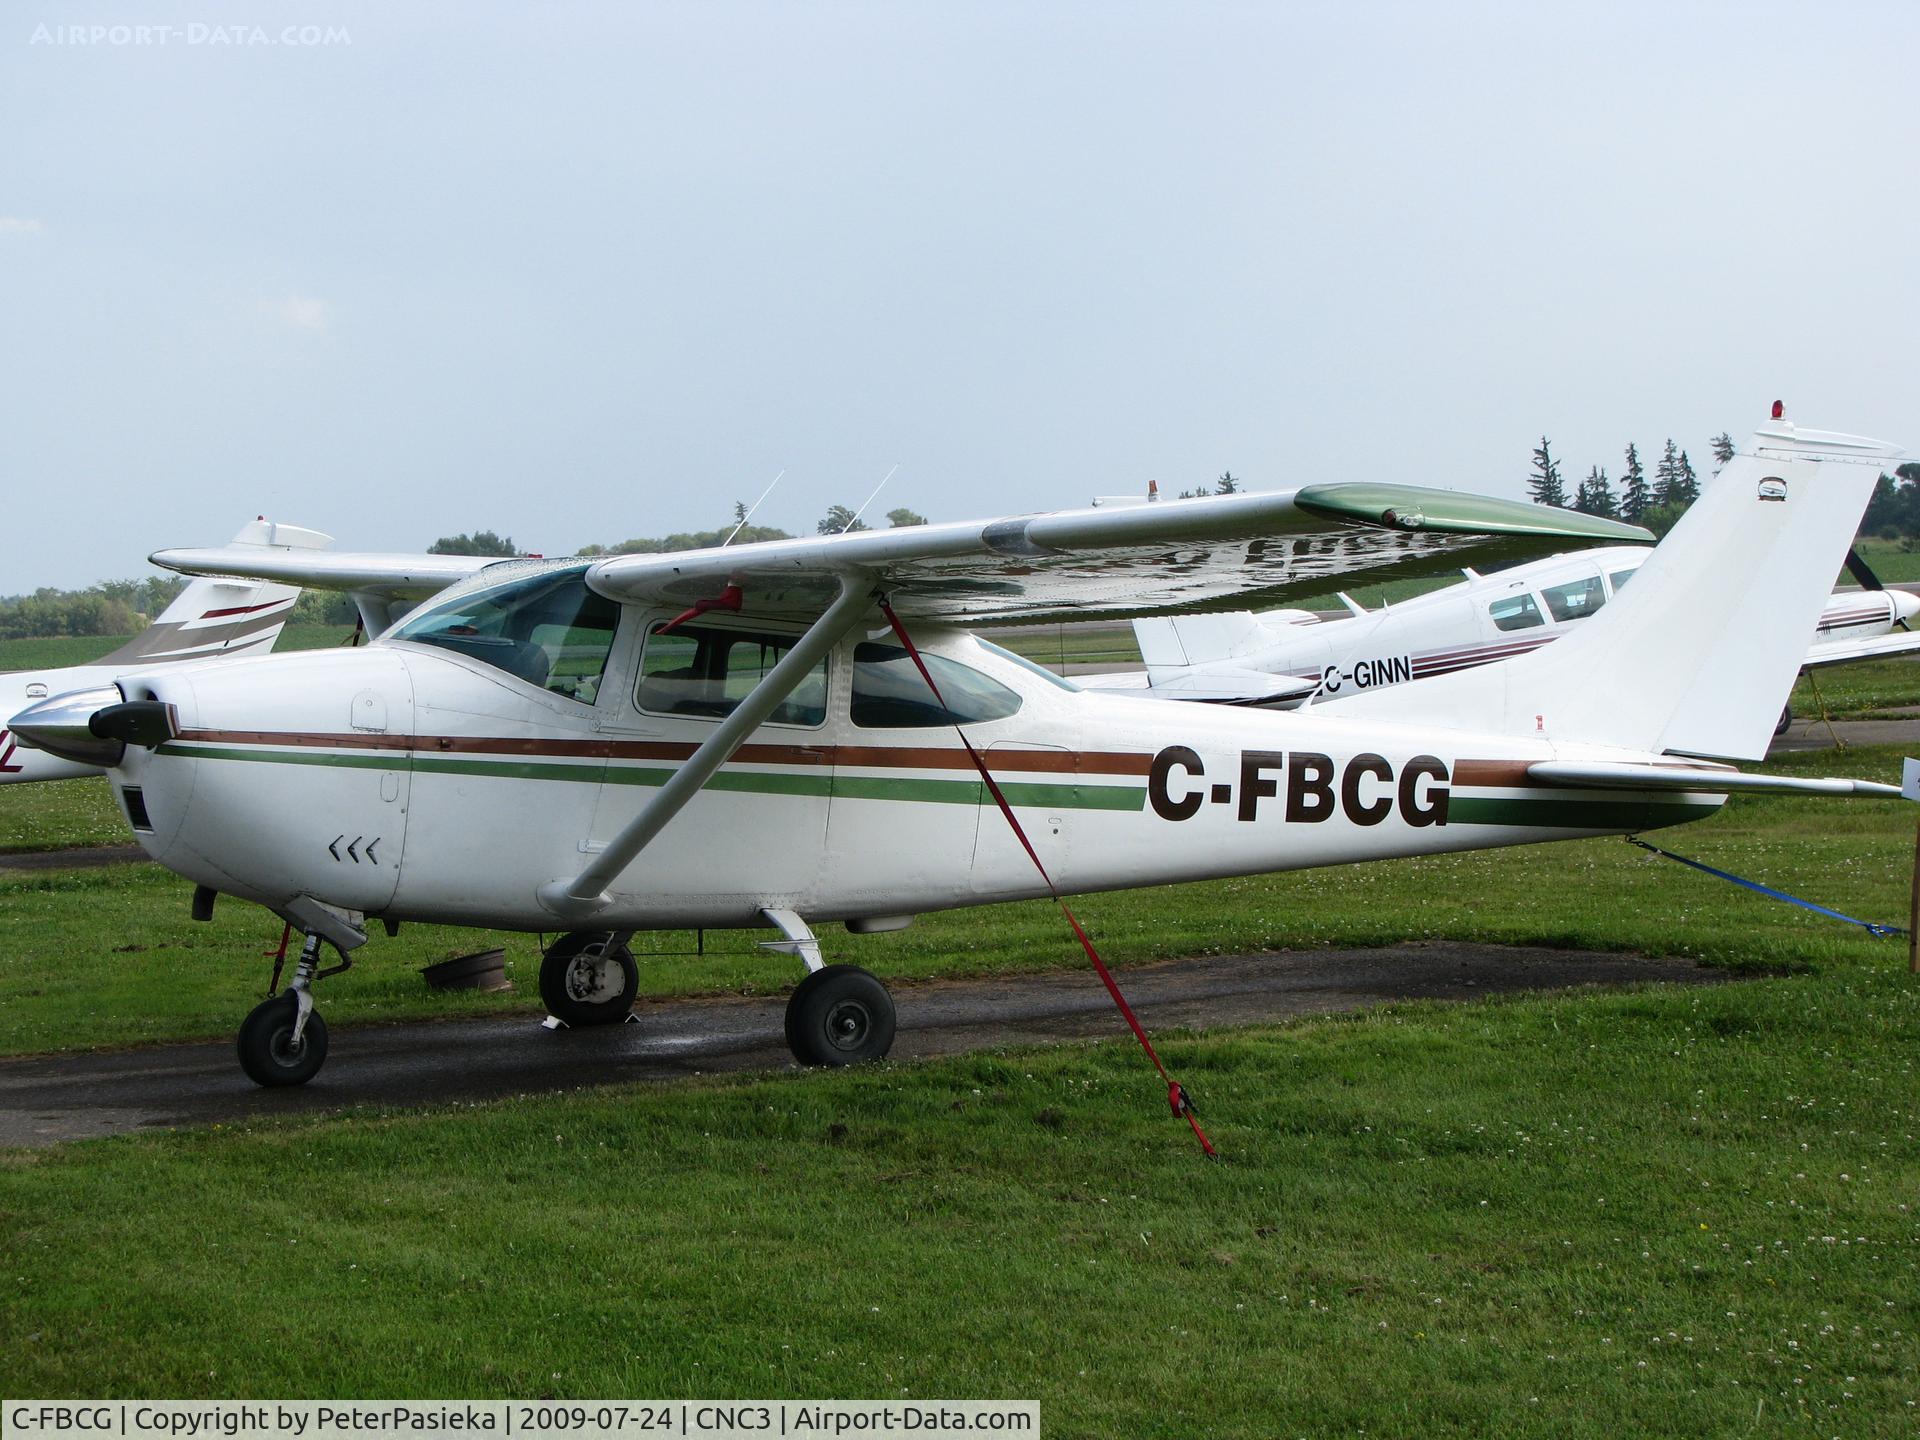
x=284 y=1040
x=839 y=1014
x=589 y=978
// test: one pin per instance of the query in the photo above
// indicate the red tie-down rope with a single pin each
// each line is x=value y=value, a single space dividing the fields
x=1176 y=1097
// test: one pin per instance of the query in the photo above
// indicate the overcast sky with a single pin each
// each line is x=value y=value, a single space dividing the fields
x=580 y=272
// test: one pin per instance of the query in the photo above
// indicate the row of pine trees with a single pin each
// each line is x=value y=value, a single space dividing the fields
x=1655 y=503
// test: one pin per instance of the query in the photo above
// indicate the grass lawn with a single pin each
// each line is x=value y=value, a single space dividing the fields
x=60 y=815
x=1859 y=690
x=1888 y=559
x=1679 y=1211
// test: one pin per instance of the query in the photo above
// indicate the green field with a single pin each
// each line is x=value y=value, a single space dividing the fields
x=47 y=652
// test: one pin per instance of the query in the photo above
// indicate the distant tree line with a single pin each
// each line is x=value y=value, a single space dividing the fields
x=1657 y=503
x=113 y=607
x=1228 y=484
x=1894 y=511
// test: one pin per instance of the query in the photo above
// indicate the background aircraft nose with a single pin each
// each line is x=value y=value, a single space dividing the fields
x=1906 y=606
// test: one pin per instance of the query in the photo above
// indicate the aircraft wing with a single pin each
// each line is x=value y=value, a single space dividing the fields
x=397 y=575
x=1875 y=647
x=1215 y=553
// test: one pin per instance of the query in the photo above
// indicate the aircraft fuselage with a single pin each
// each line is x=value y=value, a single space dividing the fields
x=407 y=782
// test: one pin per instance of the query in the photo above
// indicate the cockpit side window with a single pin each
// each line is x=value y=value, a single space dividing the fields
x=547 y=629
x=1516 y=612
x=889 y=692
x=1574 y=600
x=705 y=671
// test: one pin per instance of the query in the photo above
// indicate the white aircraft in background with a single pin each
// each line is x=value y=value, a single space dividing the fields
x=211 y=619
x=747 y=738
x=1285 y=658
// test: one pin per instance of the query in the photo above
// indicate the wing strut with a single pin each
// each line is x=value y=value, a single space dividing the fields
x=586 y=894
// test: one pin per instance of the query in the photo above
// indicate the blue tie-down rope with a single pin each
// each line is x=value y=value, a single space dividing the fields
x=1867 y=925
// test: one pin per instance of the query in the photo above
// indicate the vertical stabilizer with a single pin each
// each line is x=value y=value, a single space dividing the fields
x=214 y=617
x=1697 y=655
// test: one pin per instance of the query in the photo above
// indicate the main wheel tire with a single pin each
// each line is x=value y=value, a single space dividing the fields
x=839 y=1015
x=587 y=980
x=267 y=1051
x=1786 y=719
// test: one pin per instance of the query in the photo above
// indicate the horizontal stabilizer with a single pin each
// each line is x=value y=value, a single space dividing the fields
x=1711 y=780
x=1177 y=640
x=412 y=576
x=1210 y=687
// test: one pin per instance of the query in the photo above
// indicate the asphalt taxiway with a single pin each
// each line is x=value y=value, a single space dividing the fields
x=48 y=1099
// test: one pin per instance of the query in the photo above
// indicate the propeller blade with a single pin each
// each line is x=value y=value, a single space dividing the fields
x=1861 y=571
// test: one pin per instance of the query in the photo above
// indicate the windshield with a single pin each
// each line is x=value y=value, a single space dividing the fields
x=1025 y=664
x=547 y=629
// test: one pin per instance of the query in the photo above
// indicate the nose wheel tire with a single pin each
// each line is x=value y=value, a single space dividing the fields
x=839 y=1015
x=586 y=979
x=268 y=1052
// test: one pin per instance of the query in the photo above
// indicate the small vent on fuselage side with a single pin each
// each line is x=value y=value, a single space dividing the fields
x=136 y=804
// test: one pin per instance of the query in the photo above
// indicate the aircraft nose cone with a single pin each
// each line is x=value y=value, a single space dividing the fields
x=63 y=726
x=1906 y=605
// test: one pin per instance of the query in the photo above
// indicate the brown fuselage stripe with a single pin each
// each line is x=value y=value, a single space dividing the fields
x=1490 y=772
x=891 y=757
x=1513 y=773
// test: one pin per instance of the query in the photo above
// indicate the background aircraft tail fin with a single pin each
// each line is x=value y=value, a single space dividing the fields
x=1698 y=653
x=1178 y=641
x=213 y=617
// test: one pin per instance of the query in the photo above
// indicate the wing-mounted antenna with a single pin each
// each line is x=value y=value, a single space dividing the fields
x=869 y=500
x=1354 y=607
x=750 y=509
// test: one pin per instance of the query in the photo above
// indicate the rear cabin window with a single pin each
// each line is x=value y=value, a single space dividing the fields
x=889 y=692
x=547 y=629
x=1575 y=600
x=1515 y=612
x=1619 y=578
x=705 y=671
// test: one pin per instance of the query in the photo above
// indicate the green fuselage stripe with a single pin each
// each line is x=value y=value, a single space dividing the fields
x=753 y=782
x=1603 y=813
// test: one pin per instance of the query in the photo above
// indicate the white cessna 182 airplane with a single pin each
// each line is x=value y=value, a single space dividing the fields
x=210 y=619
x=1289 y=657
x=746 y=738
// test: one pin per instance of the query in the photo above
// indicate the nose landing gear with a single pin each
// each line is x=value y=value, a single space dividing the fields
x=284 y=1040
x=589 y=978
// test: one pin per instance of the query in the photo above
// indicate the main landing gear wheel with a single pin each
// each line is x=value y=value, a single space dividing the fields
x=839 y=1015
x=589 y=978
x=1786 y=719
x=269 y=1053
